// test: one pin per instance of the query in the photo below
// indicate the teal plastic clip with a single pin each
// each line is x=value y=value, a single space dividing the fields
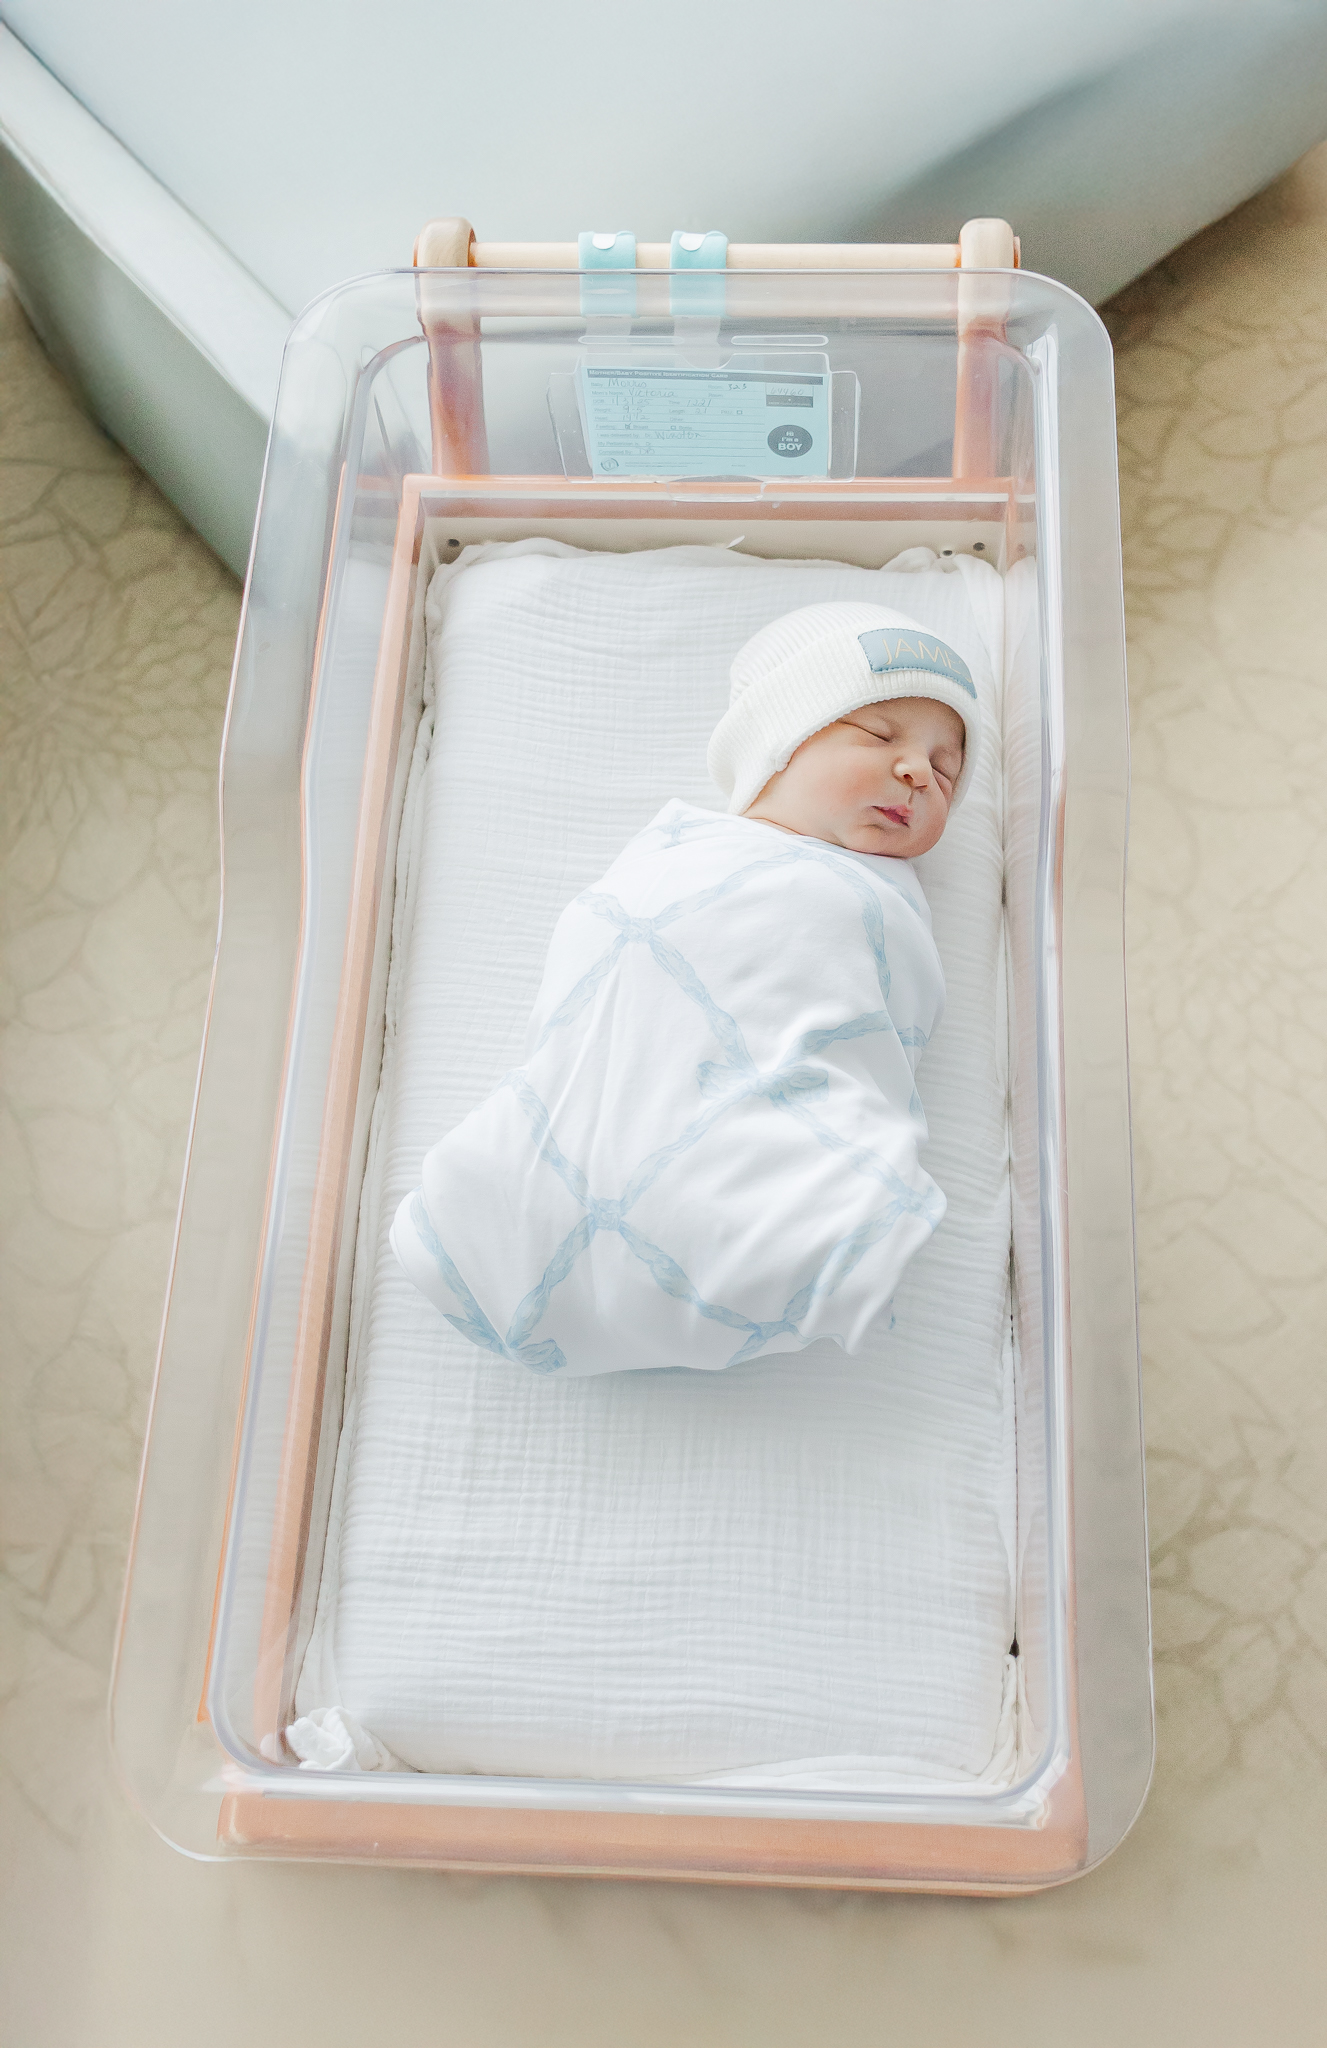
x=697 y=297
x=610 y=297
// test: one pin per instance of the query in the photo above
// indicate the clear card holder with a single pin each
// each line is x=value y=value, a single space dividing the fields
x=700 y=405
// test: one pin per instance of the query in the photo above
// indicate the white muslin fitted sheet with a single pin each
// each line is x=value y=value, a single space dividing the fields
x=798 y=1571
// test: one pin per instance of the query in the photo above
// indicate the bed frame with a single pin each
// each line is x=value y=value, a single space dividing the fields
x=868 y=519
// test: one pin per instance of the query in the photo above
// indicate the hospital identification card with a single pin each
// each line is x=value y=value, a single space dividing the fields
x=734 y=421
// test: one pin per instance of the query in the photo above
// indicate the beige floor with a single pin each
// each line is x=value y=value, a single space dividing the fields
x=1206 y=1926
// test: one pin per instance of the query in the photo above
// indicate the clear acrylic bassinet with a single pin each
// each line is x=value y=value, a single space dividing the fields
x=967 y=410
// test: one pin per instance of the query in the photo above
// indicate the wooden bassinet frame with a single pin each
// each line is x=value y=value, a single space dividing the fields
x=894 y=1855
x=456 y=401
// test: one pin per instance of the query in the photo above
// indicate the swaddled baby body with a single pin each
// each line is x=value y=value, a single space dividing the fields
x=711 y=1150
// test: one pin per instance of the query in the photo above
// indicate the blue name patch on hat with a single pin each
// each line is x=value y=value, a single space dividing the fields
x=886 y=648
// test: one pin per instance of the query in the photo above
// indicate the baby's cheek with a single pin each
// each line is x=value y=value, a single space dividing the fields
x=860 y=780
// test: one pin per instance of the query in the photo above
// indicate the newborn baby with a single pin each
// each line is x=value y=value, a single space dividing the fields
x=711 y=1150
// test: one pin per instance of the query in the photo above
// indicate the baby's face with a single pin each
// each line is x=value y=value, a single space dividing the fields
x=880 y=780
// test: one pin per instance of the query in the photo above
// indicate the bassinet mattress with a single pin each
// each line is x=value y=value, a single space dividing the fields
x=799 y=1571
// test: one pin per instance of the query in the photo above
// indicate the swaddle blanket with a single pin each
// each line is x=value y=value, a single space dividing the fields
x=711 y=1150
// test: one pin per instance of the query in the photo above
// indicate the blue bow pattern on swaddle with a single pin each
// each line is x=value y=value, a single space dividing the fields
x=710 y=1152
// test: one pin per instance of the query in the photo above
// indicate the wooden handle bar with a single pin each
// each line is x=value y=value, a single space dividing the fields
x=741 y=256
x=982 y=245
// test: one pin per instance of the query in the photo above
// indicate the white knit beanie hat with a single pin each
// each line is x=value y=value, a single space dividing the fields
x=811 y=667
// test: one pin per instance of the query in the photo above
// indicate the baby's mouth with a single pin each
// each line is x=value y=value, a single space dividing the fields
x=900 y=813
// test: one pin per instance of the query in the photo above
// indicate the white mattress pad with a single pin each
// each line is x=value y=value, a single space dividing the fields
x=799 y=1571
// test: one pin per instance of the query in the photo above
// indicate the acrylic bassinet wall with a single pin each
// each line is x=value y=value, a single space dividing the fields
x=419 y=411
